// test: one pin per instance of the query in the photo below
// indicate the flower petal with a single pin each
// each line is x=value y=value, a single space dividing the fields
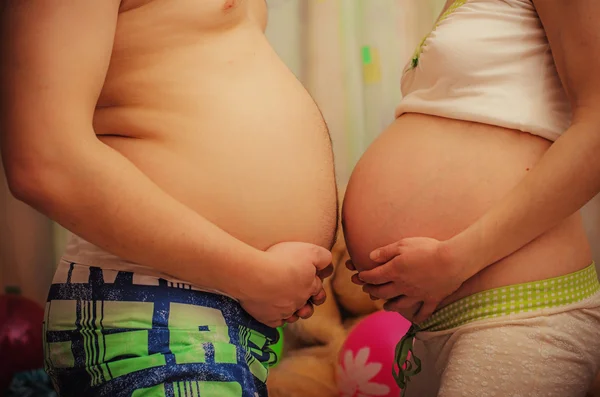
x=349 y=363
x=345 y=384
x=362 y=356
x=375 y=389
x=368 y=372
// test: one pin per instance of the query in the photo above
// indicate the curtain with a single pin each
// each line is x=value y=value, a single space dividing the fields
x=349 y=54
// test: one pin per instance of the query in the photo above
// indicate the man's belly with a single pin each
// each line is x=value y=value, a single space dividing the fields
x=261 y=194
x=240 y=142
x=433 y=177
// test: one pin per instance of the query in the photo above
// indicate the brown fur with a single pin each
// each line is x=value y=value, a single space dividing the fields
x=595 y=389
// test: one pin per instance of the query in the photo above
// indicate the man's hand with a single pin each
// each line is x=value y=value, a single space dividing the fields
x=290 y=285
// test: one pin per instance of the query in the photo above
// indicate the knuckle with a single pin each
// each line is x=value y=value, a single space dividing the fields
x=318 y=288
x=320 y=298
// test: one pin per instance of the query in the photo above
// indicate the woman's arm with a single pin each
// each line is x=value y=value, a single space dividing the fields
x=54 y=58
x=568 y=175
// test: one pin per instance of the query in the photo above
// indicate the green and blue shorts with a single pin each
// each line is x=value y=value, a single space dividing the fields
x=114 y=334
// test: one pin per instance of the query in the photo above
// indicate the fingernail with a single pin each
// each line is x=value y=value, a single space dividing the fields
x=375 y=255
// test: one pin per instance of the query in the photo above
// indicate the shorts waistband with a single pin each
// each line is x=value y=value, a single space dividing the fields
x=82 y=252
x=513 y=299
x=519 y=298
x=103 y=328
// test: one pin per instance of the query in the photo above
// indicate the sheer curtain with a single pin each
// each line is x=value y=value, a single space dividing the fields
x=349 y=54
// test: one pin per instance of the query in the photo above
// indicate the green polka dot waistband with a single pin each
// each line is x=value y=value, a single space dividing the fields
x=514 y=299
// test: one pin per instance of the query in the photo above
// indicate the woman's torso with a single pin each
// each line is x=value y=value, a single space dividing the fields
x=198 y=100
x=434 y=176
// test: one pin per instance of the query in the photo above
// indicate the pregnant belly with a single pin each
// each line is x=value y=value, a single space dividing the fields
x=433 y=177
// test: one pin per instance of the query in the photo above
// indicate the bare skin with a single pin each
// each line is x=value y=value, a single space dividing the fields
x=480 y=165
x=171 y=134
x=486 y=206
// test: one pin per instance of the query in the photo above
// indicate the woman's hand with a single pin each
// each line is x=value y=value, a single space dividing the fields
x=415 y=275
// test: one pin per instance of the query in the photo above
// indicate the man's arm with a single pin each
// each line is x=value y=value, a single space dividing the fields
x=568 y=175
x=54 y=59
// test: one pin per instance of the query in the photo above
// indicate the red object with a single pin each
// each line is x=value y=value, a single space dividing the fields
x=367 y=356
x=21 y=347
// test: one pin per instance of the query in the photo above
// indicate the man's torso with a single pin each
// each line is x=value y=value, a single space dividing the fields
x=198 y=100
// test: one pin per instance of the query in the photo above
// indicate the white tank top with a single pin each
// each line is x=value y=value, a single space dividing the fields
x=488 y=61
